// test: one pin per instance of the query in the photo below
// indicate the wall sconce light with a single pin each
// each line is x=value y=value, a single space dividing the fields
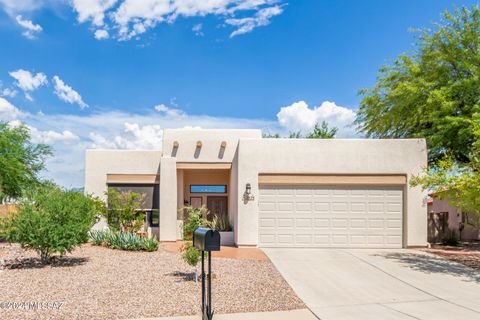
x=175 y=144
x=223 y=144
x=199 y=144
x=248 y=196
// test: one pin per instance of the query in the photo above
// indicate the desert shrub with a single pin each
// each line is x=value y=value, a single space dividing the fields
x=149 y=244
x=191 y=256
x=450 y=238
x=97 y=236
x=221 y=223
x=124 y=210
x=51 y=220
x=129 y=241
x=112 y=239
x=196 y=217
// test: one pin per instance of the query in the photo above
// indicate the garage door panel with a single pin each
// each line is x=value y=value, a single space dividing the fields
x=328 y=216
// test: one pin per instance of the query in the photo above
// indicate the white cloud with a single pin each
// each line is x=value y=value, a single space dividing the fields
x=169 y=112
x=8 y=92
x=50 y=136
x=31 y=29
x=131 y=18
x=13 y=7
x=8 y=111
x=134 y=137
x=261 y=18
x=197 y=29
x=93 y=10
x=101 y=34
x=298 y=116
x=67 y=94
x=28 y=82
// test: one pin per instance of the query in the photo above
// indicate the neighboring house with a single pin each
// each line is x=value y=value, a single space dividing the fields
x=277 y=192
x=442 y=216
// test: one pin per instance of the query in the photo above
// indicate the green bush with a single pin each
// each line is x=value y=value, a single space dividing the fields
x=51 y=220
x=124 y=210
x=221 y=223
x=112 y=239
x=149 y=244
x=190 y=254
x=195 y=218
x=98 y=236
x=450 y=238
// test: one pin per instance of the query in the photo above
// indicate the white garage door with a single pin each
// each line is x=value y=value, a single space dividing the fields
x=329 y=216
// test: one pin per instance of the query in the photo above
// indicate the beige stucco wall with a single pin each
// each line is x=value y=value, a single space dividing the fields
x=336 y=156
x=211 y=139
x=168 y=199
x=99 y=163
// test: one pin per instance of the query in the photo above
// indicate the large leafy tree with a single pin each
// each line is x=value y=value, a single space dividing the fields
x=432 y=91
x=21 y=160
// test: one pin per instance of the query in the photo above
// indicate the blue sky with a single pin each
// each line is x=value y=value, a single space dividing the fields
x=114 y=73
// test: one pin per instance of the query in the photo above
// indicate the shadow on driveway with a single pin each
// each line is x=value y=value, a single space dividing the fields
x=432 y=264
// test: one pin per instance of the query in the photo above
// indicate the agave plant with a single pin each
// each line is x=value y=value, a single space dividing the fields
x=129 y=241
x=221 y=223
x=98 y=236
x=149 y=244
x=113 y=240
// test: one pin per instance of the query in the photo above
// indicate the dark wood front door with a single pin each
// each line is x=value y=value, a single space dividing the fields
x=217 y=205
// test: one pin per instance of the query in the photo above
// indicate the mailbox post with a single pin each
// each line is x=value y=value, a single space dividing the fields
x=206 y=239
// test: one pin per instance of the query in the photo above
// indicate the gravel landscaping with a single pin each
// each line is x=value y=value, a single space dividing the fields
x=467 y=254
x=101 y=283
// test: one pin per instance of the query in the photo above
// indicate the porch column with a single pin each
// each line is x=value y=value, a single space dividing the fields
x=168 y=199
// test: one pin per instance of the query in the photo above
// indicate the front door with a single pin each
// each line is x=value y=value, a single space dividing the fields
x=217 y=205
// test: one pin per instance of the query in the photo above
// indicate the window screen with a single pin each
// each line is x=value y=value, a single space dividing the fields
x=197 y=188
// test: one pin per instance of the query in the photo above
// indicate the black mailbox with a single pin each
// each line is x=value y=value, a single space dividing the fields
x=206 y=239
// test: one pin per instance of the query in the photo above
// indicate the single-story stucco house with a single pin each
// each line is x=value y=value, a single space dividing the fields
x=277 y=192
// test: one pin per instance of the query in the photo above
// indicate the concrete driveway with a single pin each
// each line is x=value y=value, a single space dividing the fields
x=379 y=284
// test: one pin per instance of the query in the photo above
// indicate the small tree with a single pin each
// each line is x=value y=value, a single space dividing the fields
x=20 y=161
x=51 y=220
x=125 y=210
x=196 y=217
x=322 y=131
